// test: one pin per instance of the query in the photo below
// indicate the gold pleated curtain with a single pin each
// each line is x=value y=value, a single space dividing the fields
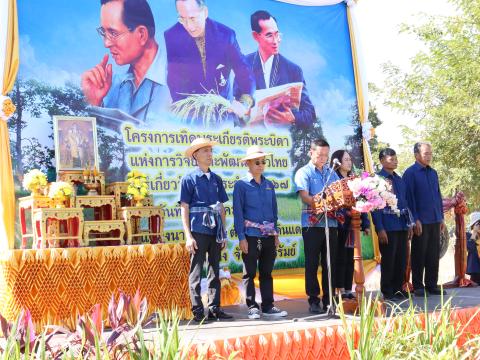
x=9 y=34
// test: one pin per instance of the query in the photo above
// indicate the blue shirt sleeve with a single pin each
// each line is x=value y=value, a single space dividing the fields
x=274 y=207
x=442 y=215
x=301 y=181
x=186 y=190
x=377 y=220
x=238 y=201
x=409 y=179
x=222 y=194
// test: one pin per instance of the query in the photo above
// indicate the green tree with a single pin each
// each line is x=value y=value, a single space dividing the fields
x=301 y=140
x=442 y=91
x=26 y=96
x=36 y=156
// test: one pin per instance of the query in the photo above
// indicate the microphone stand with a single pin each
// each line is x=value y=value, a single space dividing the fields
x=331 y=308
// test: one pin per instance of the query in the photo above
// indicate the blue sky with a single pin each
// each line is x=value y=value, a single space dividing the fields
x=59 y=42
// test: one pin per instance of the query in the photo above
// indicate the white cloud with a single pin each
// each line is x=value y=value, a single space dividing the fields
x=332 y=103
x=334 y=109
x=32 y=68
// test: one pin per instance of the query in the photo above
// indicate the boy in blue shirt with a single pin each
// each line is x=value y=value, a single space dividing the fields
x=310 y=180
x=203 y=217
x=255 y=216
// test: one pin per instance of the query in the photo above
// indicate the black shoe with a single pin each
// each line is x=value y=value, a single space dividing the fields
x=388 y=297
x=218 y=314
x=436 y=291
x=199 y=317
x=315 y=308
x=349 y=295
x=421 y=293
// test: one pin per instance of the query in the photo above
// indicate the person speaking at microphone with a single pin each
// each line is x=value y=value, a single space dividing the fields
x=310 y=180
x=342 y=163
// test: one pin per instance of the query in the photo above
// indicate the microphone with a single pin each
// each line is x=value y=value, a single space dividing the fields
x=336 y=164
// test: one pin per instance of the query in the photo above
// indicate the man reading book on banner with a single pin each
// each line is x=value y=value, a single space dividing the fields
x=281 y=96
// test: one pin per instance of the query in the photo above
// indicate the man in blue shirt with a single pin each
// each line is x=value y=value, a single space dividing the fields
x=310 y=180
x=425 y=202
x=128 y=31
x=393 y=230
x=202 y=196
x=255 y=218
x=202 y=54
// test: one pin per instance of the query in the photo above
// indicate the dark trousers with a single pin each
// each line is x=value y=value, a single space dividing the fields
x=426 y=256
x=264 y=253
x=343 y=262
x=315 y=246
x=206 y=244
x=394 y=261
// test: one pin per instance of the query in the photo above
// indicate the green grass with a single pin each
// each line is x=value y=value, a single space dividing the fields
x=402 y=334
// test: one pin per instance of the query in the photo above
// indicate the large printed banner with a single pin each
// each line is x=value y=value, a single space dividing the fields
x=158 y=74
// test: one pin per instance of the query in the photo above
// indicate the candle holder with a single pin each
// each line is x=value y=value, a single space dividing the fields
x=92 y=188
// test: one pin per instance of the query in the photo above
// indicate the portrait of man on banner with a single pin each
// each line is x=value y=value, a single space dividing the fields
x=128 y=32
x=201 y=55
x=276 y=105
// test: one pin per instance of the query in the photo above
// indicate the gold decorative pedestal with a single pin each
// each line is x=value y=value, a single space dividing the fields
x=31 y=203
x=104 y=205
x=132 y=215
x=49 y=224
x=103 y=227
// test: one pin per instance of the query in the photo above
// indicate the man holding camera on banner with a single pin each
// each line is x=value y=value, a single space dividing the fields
x=310 y=180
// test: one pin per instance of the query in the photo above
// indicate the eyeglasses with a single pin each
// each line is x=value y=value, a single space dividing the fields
x=192 y=19
x=111 y=35
x=273 y=36
x=258 y=162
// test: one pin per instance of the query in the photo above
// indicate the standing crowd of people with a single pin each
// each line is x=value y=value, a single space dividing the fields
x=419 y=219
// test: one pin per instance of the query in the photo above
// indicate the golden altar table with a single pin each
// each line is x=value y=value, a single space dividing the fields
x=57 y=284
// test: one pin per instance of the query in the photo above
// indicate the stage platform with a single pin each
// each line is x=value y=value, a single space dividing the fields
x=298 y=317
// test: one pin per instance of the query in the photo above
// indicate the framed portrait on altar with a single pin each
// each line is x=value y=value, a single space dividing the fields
x=75 y=142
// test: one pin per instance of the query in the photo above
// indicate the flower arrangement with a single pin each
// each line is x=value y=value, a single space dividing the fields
x=372 y=192
x=137 y=186
x=34 y=181
x=60 y=191
x=7 y=108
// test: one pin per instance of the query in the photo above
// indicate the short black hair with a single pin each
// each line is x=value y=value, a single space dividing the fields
x=200 y=3
x=136 y=13
x=418 y=146
x=386 y=152
x=319 y=143
x=256 y=17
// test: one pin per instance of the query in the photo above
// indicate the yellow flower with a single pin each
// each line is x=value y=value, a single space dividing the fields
x=8 y=108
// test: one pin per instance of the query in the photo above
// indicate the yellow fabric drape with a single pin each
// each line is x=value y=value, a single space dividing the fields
x=57 y=284
x=367 y=156
x=7 y=190
x=12 y=54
